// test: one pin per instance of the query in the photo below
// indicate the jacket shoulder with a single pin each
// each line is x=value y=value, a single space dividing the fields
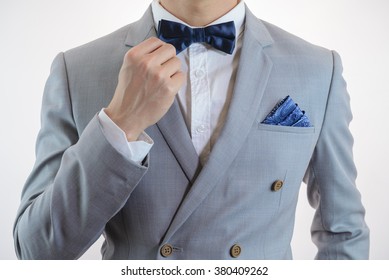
x=102 y=47
x=289 y=44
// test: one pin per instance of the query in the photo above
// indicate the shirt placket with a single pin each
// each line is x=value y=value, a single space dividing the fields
x=201 y=100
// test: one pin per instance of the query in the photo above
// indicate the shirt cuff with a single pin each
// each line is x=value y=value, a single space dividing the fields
x=135 y=151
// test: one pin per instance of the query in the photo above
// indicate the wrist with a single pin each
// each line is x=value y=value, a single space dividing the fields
x=127 y=125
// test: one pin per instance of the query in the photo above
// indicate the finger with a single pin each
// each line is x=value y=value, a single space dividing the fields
x=171 y=66
x=177 y=80
x=148 y=46
x=163 y=53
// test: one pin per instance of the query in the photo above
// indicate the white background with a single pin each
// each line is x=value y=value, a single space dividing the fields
x=33 y=32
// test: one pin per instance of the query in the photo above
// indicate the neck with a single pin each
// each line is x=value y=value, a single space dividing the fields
x=198 y=12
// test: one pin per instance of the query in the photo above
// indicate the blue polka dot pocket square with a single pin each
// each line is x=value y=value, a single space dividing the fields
x=287 y=113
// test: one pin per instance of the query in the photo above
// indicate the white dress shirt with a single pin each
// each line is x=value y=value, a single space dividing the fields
x=205 y=97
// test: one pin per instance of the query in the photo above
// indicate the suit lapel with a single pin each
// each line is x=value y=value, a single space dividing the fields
x=253 y=73
x=172 y=125
x=175 y=133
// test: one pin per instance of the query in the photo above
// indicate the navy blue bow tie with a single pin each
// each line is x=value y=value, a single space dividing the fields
x=220 y=36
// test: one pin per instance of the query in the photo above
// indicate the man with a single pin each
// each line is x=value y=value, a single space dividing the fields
x=186 y=152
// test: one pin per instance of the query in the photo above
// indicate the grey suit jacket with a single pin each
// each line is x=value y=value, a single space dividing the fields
x=81 y=187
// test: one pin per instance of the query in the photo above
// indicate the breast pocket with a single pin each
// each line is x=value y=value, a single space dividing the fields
x=286 y=129
x=272 y=151
x=284 y=147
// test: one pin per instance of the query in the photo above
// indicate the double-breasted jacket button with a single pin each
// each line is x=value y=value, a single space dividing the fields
x=235 y=251
x=277 y=185
x=166 y=250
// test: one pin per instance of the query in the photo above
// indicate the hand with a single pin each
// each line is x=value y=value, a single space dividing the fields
x=149 y=80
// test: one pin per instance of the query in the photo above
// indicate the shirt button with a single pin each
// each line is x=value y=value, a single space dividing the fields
x=166 y=250
x=201 y=128
x=235 y=251
x=277 y=185
x=199 y=73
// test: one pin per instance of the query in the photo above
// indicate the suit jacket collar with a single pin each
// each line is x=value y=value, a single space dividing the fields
x=257 y=30
x=141 y=29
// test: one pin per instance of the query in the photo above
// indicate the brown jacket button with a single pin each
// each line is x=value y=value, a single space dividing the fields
x=166 y=250
x=277 y=185
x=235 y=251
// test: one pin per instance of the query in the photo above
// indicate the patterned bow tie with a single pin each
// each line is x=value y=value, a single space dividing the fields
x=220 y=36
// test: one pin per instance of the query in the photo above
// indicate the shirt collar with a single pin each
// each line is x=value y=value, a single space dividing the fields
x=237 y=14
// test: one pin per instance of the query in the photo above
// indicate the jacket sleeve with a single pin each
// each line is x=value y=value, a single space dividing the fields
x=338 y=229
x=78 y=183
